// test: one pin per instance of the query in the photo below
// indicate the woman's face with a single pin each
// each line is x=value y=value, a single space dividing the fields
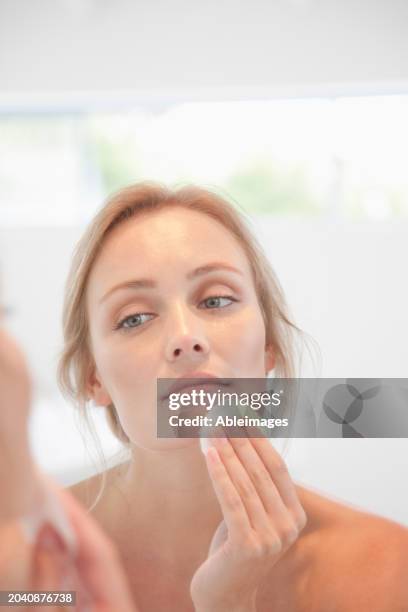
x=142 y=333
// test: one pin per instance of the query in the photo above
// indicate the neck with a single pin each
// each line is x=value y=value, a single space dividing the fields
x=170 y=502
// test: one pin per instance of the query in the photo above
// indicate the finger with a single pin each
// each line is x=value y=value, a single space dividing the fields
x=238 y=473
x=50 y=564
x=262 y=480
x=49 y=560
x=232 y=507
x=98 y=561
x=279 y=472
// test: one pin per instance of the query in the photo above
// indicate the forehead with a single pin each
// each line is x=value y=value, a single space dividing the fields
x=167 y=240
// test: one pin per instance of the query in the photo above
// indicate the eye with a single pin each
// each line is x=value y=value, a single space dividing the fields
x=131 y=321
x=217 y=298
x=134 y=320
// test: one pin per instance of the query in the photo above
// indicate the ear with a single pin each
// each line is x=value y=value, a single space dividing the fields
x=96 y=389
x=270 y=359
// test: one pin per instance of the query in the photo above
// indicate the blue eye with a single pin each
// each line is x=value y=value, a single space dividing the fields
x=130 y=322
x=220 y=297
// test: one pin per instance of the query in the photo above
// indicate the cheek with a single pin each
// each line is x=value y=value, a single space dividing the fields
x=125 y=371
x=125 y=366
x=247 y=341
x=252 y=342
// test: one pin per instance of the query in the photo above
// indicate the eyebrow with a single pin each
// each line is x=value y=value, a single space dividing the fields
x=150 y=283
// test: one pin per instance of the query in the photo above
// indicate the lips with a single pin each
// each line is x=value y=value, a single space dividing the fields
x=195 y=380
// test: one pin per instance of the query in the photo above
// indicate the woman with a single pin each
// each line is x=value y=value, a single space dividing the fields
x=139 y=306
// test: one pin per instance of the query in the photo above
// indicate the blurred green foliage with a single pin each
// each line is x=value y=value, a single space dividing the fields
x=264 y=187
x=99 y=152
x=117 y=160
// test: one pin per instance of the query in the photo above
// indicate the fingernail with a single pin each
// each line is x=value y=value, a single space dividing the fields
x=50 y=540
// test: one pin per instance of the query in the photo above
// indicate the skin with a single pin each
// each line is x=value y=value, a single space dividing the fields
x=164 y=506
x=95 y=572
x=16 y=464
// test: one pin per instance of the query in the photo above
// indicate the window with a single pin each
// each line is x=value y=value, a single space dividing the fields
x=340 y=158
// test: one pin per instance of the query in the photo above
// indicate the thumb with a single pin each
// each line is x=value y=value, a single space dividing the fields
x=50 y=563
x=219 y=538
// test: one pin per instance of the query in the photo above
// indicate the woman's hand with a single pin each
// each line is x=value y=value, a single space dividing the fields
x=15 y=388
x=95 y=572
x=16 y=467
x=262 y=519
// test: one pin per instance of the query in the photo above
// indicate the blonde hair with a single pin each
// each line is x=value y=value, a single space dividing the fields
x=76 y=359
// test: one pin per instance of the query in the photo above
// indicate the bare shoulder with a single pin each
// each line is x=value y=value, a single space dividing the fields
x=86 y=491
x=89 y=491
x=360 y=559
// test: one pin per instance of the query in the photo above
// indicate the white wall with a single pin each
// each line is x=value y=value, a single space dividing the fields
x=346 y=285
x=195 y=49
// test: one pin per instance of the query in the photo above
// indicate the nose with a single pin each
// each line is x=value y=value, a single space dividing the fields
x=187 y=339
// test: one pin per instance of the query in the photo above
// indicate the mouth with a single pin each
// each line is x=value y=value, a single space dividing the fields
x=194 y=383
x=198 y=387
